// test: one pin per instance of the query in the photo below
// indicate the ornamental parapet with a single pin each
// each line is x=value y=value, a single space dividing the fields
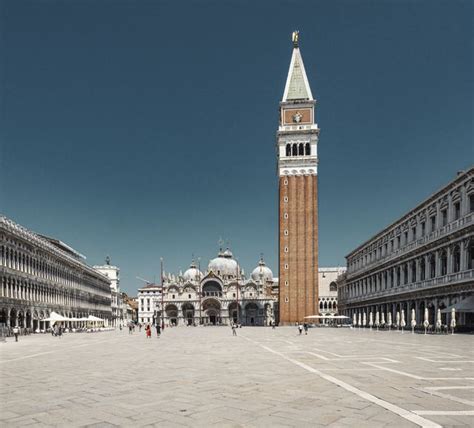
x=458 y=226
x=463 y=278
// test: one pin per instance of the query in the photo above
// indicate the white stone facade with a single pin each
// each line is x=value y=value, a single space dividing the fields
x=113 y=274
x=219 y=297
x=423 y=261
x=327 y=284
x=39 y=275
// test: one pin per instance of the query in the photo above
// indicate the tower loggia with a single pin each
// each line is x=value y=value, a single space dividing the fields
x=297 y=141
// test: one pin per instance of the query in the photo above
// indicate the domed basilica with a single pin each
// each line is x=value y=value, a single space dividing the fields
x=219 y=296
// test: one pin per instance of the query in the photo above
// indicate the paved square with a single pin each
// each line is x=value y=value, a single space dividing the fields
x=203 y=376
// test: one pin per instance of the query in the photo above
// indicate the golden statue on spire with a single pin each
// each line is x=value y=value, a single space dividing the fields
x=295 y=37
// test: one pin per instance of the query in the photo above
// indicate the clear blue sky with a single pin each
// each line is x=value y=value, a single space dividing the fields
x=142 y=129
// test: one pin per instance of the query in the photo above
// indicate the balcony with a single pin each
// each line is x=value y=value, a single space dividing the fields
x=452 y=227
x=449 y=279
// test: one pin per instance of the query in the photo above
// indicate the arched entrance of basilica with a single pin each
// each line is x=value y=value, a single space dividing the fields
x=234 y=316
x=212 y=312
x=188 y=313
x=172 y=314
x=251 y=314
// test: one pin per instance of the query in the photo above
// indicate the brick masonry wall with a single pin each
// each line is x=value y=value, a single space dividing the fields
x=298 y=249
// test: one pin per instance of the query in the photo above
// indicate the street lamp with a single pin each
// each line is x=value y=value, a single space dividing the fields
x=162 y=296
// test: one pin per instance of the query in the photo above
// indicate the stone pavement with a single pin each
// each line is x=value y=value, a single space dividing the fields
x=202 y=376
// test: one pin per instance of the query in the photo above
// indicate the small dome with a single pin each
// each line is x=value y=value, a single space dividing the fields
x=262 y=271
x=193 y=273
x=224 y=264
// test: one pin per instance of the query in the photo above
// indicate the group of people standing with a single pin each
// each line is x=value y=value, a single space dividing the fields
x=302 y=327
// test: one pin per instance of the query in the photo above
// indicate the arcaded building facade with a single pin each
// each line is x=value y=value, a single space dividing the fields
x=297 y=140
x=220 y=296
x=423 y=260
x=39 y=275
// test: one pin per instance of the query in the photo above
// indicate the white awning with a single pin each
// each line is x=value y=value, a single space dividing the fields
x=331 y=317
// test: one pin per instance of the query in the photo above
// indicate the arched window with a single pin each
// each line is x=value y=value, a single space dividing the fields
x=422 y=269
x=444 y=263
x=307 y=149
x=470 y=254
x=432 y=266
x=456 y=259
x=301 y=149
x=413 y=271
x=405 y=274
x=320 y=305
x=294 y=150
x=333 y=286
x=288 y=149
x=325 y=305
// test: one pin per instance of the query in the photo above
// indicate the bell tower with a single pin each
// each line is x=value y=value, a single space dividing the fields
x=297 y=143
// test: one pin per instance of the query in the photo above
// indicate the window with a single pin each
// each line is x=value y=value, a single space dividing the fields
x=405 y=237
x=173 y=296
x=307 y=149
x=444 y=263
x=294 y=151
x=285 y=199
x=433 y=223
x=444 y=217
x=423 y=228
x=432 y=267
x=288 y=150
x=287 y=300
x=399 y=241
x=285 y=216
x=286 y=283
x=413 y=233
x=286 y=249
x=333 y=286
x=391 y=245
x=471 y=203
x=189 y=296
x=422 y=269
x=233 y=295
x=457 y=210
x=285 y=182
x=301 y=149
x=286 y=265
x=285 y=232
x=456 y=259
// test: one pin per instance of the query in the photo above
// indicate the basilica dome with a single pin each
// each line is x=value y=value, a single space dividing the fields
x=224 y=264
x=193 y=273
x=262 y=271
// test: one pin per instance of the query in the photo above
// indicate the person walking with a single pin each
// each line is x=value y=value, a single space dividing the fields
x=16 y=332
x=300 y=328
x=305 y=326
x=158 y=329
x=234 y=331
x=148 y=331
x=139 y=328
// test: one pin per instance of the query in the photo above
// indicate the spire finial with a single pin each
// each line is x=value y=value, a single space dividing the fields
x=295 y=38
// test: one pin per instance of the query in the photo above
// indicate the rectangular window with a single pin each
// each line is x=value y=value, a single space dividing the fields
x=433 y=223
x=471 y=203
x=413 y=233
x=423 y=229
x=406 y=237
x=399 y=241
x=444 y=217
x=391 y=245
x=457 y=210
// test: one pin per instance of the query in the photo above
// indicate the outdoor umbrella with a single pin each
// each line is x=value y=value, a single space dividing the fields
x=354 y=319
x=359 y=320
x=364 y=322
x=438 y=318
x=389 y=320
x=377 y=319
x=402 y=321
x=371 y=319
x=453 y=320
x=398 y=319
x=383 y=318
x=426 y=323
x=413 y=320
